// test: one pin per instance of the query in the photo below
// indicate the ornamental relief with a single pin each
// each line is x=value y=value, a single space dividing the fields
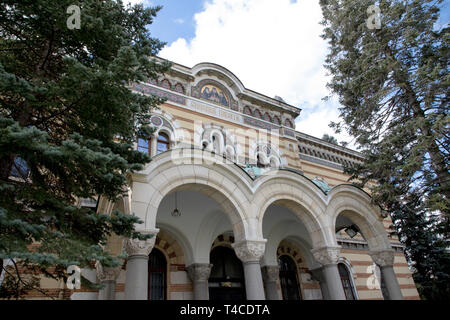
x=215 y=92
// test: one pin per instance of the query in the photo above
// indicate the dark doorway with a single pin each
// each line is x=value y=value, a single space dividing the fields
x=157 y=269
x=288 y=278
x=226 y=281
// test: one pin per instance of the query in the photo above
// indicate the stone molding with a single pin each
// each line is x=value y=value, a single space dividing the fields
x=107 y=273
x=199 y=271
x=250 y=250
x=136 y=247
x=326 y=255
x=383 y=258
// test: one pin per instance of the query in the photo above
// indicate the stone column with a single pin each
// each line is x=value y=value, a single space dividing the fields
x=328 y=258
x=107 y=276
x=271 y=274
x=250 y=252
x=136 y=284
x=385 y=260
x=153 y=145
x=199 y=275
x=318 y=276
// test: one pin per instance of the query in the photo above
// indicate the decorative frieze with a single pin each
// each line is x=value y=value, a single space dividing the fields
x=146 y=89
x=107 y=273
x=383 y=257
x=326 y=255
x=139 y=247
x=199 y=271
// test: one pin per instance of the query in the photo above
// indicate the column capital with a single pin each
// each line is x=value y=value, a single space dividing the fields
x=250 y=250
x=383 y=258
x=271 y=273
x=199 y=271
x=326 y=255
x=107 y=273
x=138 y=247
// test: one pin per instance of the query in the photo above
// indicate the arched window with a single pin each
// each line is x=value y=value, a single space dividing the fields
x=346 y=282
x=288 y=278
x=288 y=123
x=226 y=281
x=162 y=144
x=157 y=269
x=144 y=145
x=247 y=110
x=257 y=114
x=276 y=120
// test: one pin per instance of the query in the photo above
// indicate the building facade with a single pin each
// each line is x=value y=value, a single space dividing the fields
x=243 y=206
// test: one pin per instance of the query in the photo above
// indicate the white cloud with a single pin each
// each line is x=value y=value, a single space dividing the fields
x=178 y=21
x=273 y=46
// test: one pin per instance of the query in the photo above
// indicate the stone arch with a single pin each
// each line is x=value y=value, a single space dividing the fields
x=355 y=204
x=301 y=197
x=213 y=225
x=172 y=171
x=175 y=246
x=169 y=126
x=224 y=240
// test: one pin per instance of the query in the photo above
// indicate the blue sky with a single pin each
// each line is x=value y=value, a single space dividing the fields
x=176 y=19
x=272 y=46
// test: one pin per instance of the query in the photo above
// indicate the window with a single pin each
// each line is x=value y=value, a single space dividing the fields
x=143 y=145
x=289 y=278
x=157 y=285
x=162 y=144
x=346 y=282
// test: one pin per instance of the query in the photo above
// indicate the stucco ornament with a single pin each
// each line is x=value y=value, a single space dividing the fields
x=199 y=271
x=383 y=257
x=326 y=255
x=107 y=273
x=250 y=250
x=140 y=247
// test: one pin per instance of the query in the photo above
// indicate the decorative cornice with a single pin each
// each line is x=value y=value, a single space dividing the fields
x=136 y=247
x=107 y=273
x=326 y=255
x=199 y=271
x=250 y=250
x=383 y=258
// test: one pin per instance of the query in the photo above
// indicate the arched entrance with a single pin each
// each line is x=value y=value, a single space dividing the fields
x=157 y=275
x=226 y=281
x=289 y=278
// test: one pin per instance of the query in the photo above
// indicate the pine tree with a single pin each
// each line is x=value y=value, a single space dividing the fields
x=68 y=121
x=329 y=139
x=389 y=67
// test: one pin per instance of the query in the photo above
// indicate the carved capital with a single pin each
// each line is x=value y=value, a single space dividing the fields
x=383 y=257
x=271 y=273
x=250 y=250
x=326 y=255
x=107 y=273
x=140 y=247
x=199 y=271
